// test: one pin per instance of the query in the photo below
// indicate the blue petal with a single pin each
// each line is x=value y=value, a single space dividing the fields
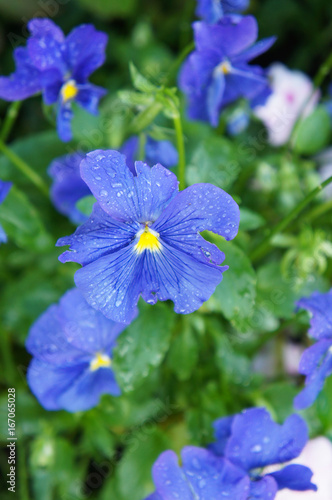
x=312 y=357
x=85 y=50
x=222 y=431
x=47 y=381
x=255 y=50
x=42 y=26
x=3 y=236
x=4 y=189
x=130 y=150
x=100 y=235
x=320 y=306
x=230 y=6
x=24 y=83
x=123 y=196
x=264 y=488
x=294 y=477
x=314 y=382
x=52 y=81
x=243 y=83
x=215 y=97
x=209 y=10
x=154 y=496
x=88 y=97
x=169 y=479
x=64 y=118
x=45 y=46
x=257 y=441
x=213 y=477
x=161 y=152
x=68 y=187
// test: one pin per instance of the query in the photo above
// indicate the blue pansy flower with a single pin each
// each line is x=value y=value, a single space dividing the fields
x=4 y=188
x=68 y=186
x=155 y=151
x=251 y=441
x=71 y=344
x=202 y=476
x=316 y=361
x=58 y=67
x=213 y=10
x=217 y=72
x=143 y=238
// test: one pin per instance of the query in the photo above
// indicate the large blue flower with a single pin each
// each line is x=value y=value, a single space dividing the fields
x=316 y=361
x=251 y=441
x=143 y=238
x=203 y=476
x=59 y=67
x=217 y=72
x=4 y=188
x=213 y=10
x=72 y=347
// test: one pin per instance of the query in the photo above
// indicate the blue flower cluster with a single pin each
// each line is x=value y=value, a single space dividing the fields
x=4 y=189
x=143 y=238
x=233 y=466
x=217 y=72
x=58 y=67
x=71 y=344
x=316 y=361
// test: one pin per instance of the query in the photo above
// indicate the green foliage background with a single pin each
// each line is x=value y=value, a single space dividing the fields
x=177 y=373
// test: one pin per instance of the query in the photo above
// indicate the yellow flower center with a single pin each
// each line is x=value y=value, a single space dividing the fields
x=100 y=361
x=69 y=90
x=148 y=240
x=225 y=67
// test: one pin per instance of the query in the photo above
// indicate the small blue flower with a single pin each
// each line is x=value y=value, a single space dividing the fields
x=316 y=361
x=58 y=67
x=4 y=188
x=217 y=72
x=202 y=476
x=72 y=344
x=68 y=186
x=213 y=10
x=251 y=440
x=143 y=238
x=238 y=122
x=155 y=151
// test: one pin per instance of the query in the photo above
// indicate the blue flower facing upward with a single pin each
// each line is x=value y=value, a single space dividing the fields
x=71 y=344
x=202 y=476
x=217 y=72
x=251 y=440
x=58 y=67
x=213 y=10
x=143 y=238
x=4 y=188
x=316 y=361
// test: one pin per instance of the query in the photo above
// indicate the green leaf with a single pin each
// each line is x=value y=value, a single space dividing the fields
x=143 y=345
x=85 y=204
x=183 y=354
x=22 y=223
x=250 y=220
x=137 y=99
x=281 y=398
x=140 y=82
x=313 y=132
x=235 y=295
x=215 y=161
x=107 y=8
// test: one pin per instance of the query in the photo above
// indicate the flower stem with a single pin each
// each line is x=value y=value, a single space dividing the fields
x=263 y=248
x=318 y=211
x=181 y=150
x=24 y=168
x=9 y=121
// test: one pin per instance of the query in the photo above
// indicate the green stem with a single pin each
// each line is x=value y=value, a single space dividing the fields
x=177 y=63
x=7 y=359
x=141 y=149
x=24 y=168
x=319 y=210
x=181 y=150
x=263 y=248
x=9 y=121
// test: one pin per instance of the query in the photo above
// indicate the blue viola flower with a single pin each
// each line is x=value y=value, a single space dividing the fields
x=316 y=361
x=217 y=72
x=143 y=238
x=202 y=476
x=213 y=10
x=72 y=345
x=58 y=67
x=4 y=188
x=251 y=441
x=68 y=186
x=155 y=152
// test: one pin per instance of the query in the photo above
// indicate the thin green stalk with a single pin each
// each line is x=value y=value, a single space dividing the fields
x=10 y=118
x=263 y=248
x=24 y=168
x=181 y=150
x=7 y=359
x=318 y=211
